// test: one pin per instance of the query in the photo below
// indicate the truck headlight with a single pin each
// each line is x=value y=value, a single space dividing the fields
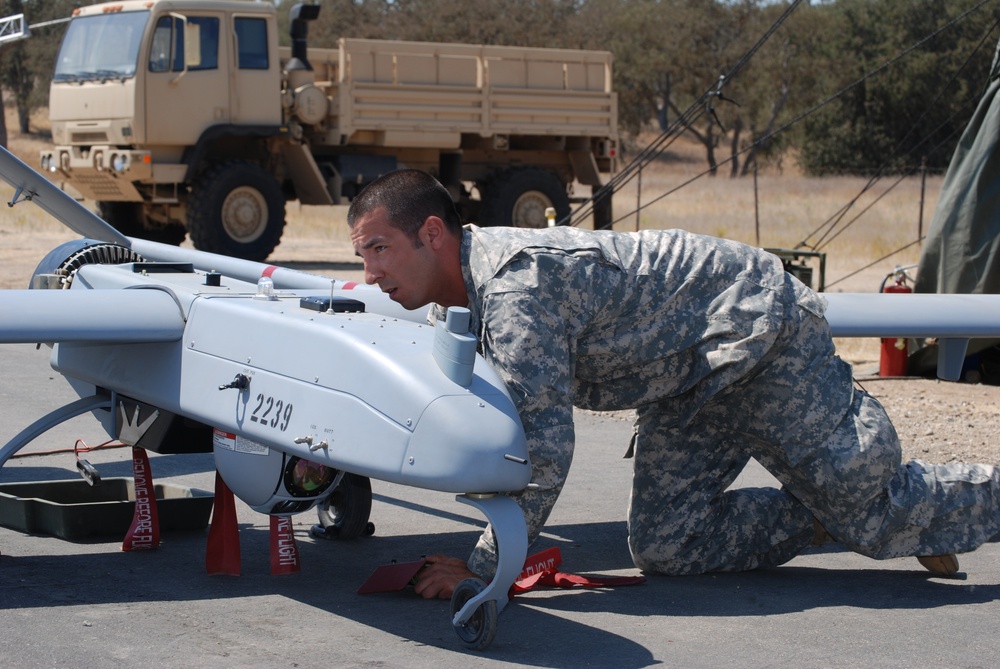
x=119 y=162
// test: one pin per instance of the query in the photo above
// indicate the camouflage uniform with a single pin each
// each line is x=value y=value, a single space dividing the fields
x=726 y=357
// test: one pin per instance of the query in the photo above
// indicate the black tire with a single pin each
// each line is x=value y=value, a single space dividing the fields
x=518 y=197
x=236 y=209
x=128 y=219
x=478 y=632
x=345 y=512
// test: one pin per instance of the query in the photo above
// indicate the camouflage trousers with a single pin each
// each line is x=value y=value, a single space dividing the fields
x=835 y=452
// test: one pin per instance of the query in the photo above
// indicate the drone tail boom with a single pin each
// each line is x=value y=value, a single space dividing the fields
x=89 y=316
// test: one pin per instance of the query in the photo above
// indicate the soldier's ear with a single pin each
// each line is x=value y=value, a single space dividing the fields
x=433 y=232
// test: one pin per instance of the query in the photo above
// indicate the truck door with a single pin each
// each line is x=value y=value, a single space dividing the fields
x=187 y=89
x=256 y=79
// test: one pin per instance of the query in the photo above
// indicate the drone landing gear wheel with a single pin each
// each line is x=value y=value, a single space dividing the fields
x=478 y=631
x=345 y=511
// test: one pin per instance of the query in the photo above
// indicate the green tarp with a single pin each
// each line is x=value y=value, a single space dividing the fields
x=960 y=253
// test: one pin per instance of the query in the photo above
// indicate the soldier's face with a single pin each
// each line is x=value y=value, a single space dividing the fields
x=404 y=270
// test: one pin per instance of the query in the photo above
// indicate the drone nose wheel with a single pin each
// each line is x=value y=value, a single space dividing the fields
x=475 y=605
x=479 y=630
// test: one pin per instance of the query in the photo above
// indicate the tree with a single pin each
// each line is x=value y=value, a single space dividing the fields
x=531 y=23
x=642 y=35
x=8 y=55
x=670 y=53
x=782 y=70
x=710 y=39
x=344 y=18
x=26 y=66
x=894 y=116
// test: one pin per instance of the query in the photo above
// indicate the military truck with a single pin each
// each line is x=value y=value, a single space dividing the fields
x=184 y=117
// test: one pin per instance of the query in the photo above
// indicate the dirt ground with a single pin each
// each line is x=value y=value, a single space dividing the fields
x=940 y=421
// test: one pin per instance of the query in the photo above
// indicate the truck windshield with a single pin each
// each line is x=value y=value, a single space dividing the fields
x=99 y=47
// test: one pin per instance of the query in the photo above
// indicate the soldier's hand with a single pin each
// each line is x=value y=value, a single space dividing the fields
x=440 y=576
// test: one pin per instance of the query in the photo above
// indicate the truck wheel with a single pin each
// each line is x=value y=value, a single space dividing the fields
x=236 y=209
x=519 y=198
x=128 y=219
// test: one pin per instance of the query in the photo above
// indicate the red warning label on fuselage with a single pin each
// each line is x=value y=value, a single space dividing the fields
x=232 y=442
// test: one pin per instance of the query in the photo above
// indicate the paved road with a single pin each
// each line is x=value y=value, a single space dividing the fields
x=87 y=604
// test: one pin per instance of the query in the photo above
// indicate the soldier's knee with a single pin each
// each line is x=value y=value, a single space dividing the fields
x=657 y=557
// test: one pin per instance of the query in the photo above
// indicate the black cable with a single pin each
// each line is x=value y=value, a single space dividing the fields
x=872 y=264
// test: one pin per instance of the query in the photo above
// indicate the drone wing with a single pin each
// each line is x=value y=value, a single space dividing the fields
x=952 y=319
x=913 y=315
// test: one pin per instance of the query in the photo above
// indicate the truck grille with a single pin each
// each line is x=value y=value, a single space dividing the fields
x=100 y=185
x=99 y=137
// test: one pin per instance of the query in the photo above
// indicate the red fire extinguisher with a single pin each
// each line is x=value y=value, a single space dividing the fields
x=895 y=350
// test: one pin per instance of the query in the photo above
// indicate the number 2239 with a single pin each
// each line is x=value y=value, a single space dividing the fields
x=272 y=412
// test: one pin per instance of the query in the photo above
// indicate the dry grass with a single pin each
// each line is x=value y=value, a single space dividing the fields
x=786 y=211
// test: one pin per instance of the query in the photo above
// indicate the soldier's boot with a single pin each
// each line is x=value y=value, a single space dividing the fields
x=945 y=566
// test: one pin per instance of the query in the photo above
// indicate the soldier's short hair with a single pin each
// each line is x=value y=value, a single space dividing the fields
x=409 y=197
